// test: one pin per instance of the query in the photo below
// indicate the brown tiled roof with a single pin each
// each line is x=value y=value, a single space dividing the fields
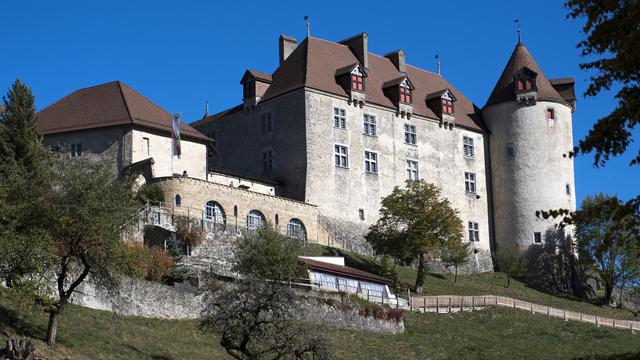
x=314 y=64
x=504 y=90
x=109 y=104
x=257 y=75
x=218 y=116
x=344 y=271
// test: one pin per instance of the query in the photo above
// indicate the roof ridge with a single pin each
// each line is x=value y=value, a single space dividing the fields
x=124 y=99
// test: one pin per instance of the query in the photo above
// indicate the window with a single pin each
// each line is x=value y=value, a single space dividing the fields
x=370 y=162
x=474 y=233
x=266 y=124
x=145 y=146
x=357 y=82
x=341 y=155
x=410 y=134
x=255 y=220
x=537 y=238
x=468 y=147
x=370 y=125
x=551 y=117
x=339 y=118
x=511 y=152
x=361 y=214
x=405 y=95
x=525 y=84
x=213 y=212
x=447 y=106
x=568 y=189
x=267 y=161
x=412 y=170
x=76 y=149
x=178 y=200
x=470 y=182
x=296 y=229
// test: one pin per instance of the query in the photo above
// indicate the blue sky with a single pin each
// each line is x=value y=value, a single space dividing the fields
x=183 y=53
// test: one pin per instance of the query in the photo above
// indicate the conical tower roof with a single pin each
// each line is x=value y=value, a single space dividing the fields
x=504 y=90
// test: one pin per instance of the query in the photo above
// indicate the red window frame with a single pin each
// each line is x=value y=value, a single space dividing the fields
x=447 y=106
x=551 y=114
x=527 y=83
x=357 y=82
x=520 y=84
x=405 y=95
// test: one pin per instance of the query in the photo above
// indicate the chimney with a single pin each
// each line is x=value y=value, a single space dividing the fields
x=397 y=58
x=359 y=47
x=286 y=44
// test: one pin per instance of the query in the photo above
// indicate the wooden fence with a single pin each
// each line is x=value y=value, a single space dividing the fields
x=448 y=303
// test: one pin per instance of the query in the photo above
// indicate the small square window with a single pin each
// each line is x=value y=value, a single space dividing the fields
x=537 y=238
x=468 y=147
x=341 y=156
x=361 y=214
x=339 y=118
x=370 y=125
x=410 y=136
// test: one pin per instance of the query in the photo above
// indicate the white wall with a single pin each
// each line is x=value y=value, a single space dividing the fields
x=193 y=158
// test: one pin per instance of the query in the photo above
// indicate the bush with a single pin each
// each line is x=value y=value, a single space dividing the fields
x=149 y=263
x=150 y=192
x=381 y=313
x=188 y=232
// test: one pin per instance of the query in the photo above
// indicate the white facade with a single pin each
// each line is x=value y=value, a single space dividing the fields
x=193 y=159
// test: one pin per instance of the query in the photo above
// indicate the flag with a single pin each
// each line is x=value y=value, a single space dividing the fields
x=175 y=134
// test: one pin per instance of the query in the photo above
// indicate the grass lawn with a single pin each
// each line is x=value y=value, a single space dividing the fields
x=488 y=334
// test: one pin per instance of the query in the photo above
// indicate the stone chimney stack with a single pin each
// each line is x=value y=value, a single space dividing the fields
x=286 y=44
x=359 y=47
x=397 y=58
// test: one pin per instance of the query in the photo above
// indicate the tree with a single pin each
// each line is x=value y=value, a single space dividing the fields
x=255 y=318
x=456 y=254
x=415 y=224
x=267 y=254
x=608 y=236
x=613 y=35
x=19 y=138
x=88 y=211
x=511 y=261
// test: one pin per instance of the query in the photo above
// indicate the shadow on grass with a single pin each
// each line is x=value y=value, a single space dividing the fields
x=153 y=357
x=625 y=356
x=11 y=319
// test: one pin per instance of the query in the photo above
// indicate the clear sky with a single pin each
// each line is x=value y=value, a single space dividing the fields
x=183 y=53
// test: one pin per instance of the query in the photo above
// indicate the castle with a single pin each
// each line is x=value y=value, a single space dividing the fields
x=314 y=146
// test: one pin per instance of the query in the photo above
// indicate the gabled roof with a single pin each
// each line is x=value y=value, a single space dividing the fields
x=439 y=94
x=256 y=75
x=349 y=68
x=504 y=91
x=104 y=105
x=398 y=81
x=314 y=64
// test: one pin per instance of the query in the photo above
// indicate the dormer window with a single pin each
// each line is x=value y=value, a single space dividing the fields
x=357 y=83
x=442 y=103
x=447 y=106
x=525 y=84
x=405 y=95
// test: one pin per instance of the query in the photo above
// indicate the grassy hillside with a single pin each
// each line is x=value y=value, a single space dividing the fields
x=482 y=284
x=488 y=334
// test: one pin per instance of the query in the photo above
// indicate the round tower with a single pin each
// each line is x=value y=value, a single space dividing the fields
x=529 y=119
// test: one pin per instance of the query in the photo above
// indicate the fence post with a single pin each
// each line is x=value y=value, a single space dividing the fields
x=367 y=294
x=532 y=308
x=437 y=305
x=473 y=303
x=564 y=312
x=461 y=303
x=449 y=303
x=598 y=325
x=397 y=301
x=410 y=302
x=425 y=303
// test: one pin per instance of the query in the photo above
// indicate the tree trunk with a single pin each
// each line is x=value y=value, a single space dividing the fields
x=52 y=328
x=508 y=280
x=455 y=276
x=421 y=274
x=608 y=290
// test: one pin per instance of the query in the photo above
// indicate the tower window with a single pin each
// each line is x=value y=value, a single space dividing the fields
x=537 y=238
x=468 y=147
x=178 y=200
x=361 y=214
x=266 y=124
x=470 y=183
x=511 y=152
x=370 y=162
x=267 y=161
x=357 y=82
x=551 y=117
x=405 y=94
x=339 y=118
x=568 y=189
x=474 y=232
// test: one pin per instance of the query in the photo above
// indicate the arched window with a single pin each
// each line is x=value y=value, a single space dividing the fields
x=214 y=212
x=235 y=210
x=277 y=219
x=178 y=200
x=255 y=220
x=296 y=229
